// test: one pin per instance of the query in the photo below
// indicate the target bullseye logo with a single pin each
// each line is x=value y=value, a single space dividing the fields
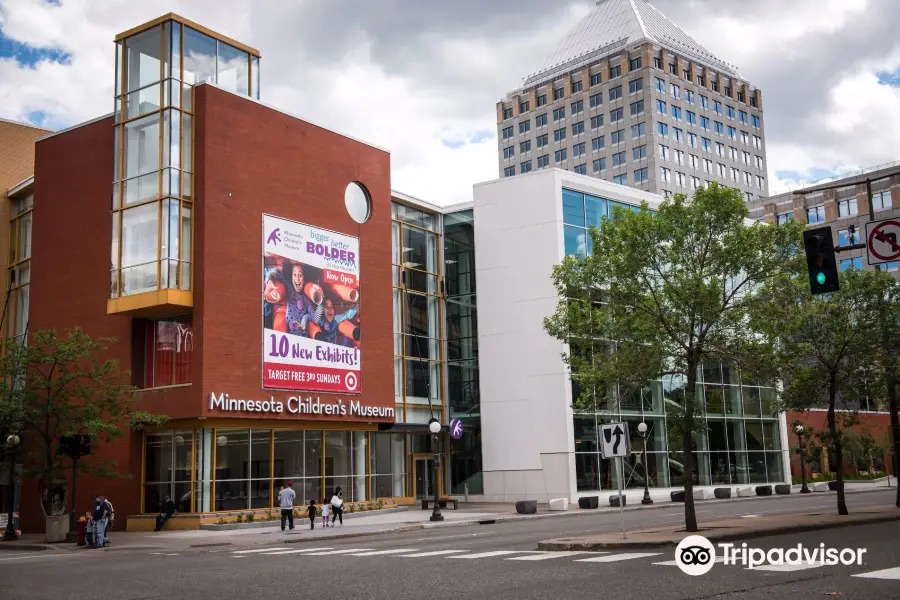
x=351 y=381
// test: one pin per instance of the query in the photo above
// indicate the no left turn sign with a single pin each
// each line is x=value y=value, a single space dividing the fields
x=883 y=241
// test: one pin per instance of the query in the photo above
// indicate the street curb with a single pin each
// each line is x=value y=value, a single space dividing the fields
x=349 y=534
x=553 y=546
x=262 y=524
x=26 y=546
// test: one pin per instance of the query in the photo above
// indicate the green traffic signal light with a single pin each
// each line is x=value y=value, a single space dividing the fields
x=820 y=278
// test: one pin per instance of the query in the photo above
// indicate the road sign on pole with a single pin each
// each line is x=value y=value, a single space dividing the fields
x=883 y=241
x=615 y=440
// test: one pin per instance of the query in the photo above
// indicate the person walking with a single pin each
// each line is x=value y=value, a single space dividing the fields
x=166 y=510
x=337 y=504
x=326 y=508
x=311 y=513
x=286 y=500
x=101 y=519
x=111 y=522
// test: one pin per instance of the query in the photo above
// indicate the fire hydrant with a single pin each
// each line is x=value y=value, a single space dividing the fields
x=81 y=529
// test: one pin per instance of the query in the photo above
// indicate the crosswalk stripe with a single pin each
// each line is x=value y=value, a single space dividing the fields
x=344 y=551
x=544 y=556
x=672 y=563
x=883 y=574
x=489 y=554
x=788 y=568
x=618 y=557
x=297 y=551
x=432 y=553
x=383 y=552
x=257 y=550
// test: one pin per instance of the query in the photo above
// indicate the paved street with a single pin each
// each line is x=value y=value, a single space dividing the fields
x=480 y=561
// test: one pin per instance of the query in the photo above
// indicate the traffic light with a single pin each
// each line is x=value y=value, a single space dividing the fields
x=75 y=446
x=823 y=272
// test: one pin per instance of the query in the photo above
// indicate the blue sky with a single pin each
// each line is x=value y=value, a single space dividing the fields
x=28 y=56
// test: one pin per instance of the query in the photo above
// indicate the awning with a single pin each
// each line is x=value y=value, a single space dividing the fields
x=421 y=428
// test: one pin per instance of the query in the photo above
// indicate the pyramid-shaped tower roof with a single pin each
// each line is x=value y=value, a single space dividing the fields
x=614 y=25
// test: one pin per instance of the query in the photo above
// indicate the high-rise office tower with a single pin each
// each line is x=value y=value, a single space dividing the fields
x=629 y=97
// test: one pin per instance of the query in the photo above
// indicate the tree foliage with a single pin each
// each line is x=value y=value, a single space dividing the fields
x=672 y=289
x=56 y=386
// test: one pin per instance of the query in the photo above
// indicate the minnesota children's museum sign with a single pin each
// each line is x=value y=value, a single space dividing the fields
x=351 y=409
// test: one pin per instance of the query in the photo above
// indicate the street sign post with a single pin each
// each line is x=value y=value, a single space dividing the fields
x=616 y=444
x=456 y=428
x=883 y=241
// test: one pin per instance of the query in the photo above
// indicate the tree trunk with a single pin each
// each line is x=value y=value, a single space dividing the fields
x=690 y=514
x=836 y=444
x=895 y=429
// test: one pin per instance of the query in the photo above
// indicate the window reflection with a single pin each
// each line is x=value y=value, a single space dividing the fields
x=199 y=57
x=233 y=69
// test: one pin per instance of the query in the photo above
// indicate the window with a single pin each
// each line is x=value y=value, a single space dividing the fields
x=542 y=100
x=741 y=97
x=756 y=122
x=689 y=96
x=717 y=107
x=667 y=194
x=542 y=140
x=577 y=107
x=882 y=200
x=748 y=178
x=718 y=127
x=525 y=167
x=507 y=113
x=597 y=122
x=665 y=174
x=559 y=135
x=746 y=156
x=578 y=149
x=720 y=148
x=616 y=115
x=676 y=112
x=815 y=214
x=889 y=266
x=691 y=118
x=657 y=62
x=599 y=164
x=674 y=90
x=692 y=140
x=848 y=208
x=677 y=134
x=640 y=176
x=560 y=155
x=581 y=169
x=704 y=122
x=782 y=218
x=621 y=179
x=637 y=108
x=732 y=133
x=761 y=182
x=714 y=85
x=524 y=126
x=617 y=137
x=852 y=263
x=595 y=79
x=695 y=182
x=673 y=69
x=638 y=130
x=720 y=169
x=524 y=106
x=679 y=157
x=635 y=85
x=686 y=74
x=558 y=93
x=701 y=80
x=662 y=129
x=615 y=71
x=728 y=91
x=596 y=100
x=757 y=142
x=759 y=163
x=753 y=101
x=660 y=86
x=20 y=233
x=707 y=165
x=615 y=93
x=165 y=354
x=507 y=133
x=743 y=117
x=694 y=161
x=559 y=113
x=704 y=102
x=730 y=112
x=578 y=128
x=745 y=137
x=509 y=152
x=509 y=171
x=733 y=153
x=618 y=159
x=679 y=179
x=735 y=174
x=576 y=86
x=635 y=64
x=845 y=238
x=661 y=107
x=639 y=152
x=598 y=143
x=663 y=152
x=540 y=120
x=543 y=161
x=524 y=146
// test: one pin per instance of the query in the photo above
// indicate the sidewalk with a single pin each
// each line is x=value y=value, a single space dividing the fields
x=725 y=530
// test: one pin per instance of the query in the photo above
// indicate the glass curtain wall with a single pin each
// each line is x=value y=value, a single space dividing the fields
x=152 y=197
x=21 y=211
x=463 y=397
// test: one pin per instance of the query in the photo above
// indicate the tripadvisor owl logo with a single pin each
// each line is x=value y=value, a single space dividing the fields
x=695 y=555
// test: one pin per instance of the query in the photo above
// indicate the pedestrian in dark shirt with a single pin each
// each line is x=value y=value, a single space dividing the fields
x=166 y=510
x=311 y=512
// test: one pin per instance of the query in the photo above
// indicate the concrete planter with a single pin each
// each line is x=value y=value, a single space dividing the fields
x=589 y=502
x=526 y=507
x=783 y=489
x=677 y=496
x=832 y=485
x=821 y=486
x=722 y=493
x=744 y=492
x=614 y=500
x=702 y=494
x=57 y=528
x=557 y=504
x=764 y=490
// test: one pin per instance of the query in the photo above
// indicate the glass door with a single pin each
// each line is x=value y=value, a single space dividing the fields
x=424 y=479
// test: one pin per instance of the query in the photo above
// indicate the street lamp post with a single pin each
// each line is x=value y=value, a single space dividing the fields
x=642 y=429
x=434 y=426
x=11 y=442
x=801 y=450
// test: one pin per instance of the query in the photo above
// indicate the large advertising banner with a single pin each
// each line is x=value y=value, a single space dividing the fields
x=311 y=336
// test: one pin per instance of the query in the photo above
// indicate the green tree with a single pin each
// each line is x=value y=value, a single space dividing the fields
x=672 y=288
x=60 y=386
x=825 y=343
